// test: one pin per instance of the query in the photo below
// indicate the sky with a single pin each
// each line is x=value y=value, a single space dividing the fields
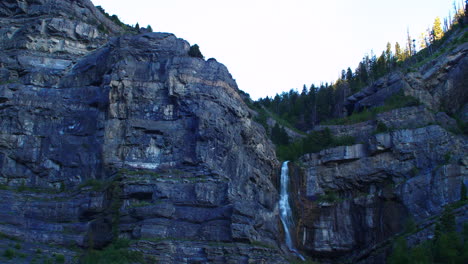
x=271 y=46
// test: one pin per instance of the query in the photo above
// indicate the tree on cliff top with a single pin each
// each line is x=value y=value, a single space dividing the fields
x=195 y=52
x=437 y=31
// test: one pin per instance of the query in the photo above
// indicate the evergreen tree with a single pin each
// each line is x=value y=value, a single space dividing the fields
x=195 y=52
x=362 y=70
x=437 y=31
x=349 y=74
x=137 y=26
x=149 y=28
x=398 y=52
x=400 y=252
x=389 y=55
x=421 y=254
x=343 y=75
x=279 y=135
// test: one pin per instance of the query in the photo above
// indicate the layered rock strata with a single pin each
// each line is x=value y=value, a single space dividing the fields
x=127 y=137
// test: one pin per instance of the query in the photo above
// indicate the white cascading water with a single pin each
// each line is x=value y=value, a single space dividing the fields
x=285 y=208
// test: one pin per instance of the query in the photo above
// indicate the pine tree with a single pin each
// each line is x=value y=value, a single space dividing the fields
x=349 y=74
x=398 y=53
x=195 y=52
x=137 y=26
x=388 y=54
x=437 y=31
x=400 y=252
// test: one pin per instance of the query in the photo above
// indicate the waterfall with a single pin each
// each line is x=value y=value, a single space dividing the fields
x=285 y=208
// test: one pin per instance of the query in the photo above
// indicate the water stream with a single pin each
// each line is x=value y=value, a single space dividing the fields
x=285 y=209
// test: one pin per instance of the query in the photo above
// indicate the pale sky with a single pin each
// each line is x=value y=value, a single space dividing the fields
x=270 y=46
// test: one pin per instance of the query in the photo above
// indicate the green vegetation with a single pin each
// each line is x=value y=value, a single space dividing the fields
x=314 y=142
x=329 y=197
x=59 y=258
x=116 y=253
x=414 y=171
x=318 y=104
x=116 y=20
x=9 y=253
x=448 y=246
x=6 y=236
x=95 y=184
x=447 y=158
x=9 y=81
x=261 y=244
x=381 y=128
x=103 y=29
x=279 y=135
x=123 y=172
x=114 y=208
x=195 y=52
x=462 y=127
x=139 y=204
x=396 y=101
x=410 y=226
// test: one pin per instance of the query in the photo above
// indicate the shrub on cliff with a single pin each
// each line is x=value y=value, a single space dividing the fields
x=195 y=52
x=314 y=142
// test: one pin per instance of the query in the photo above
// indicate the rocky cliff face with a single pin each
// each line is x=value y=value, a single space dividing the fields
x=440 y=84
x=127 y=137
x=410 y=164
x=108 y=135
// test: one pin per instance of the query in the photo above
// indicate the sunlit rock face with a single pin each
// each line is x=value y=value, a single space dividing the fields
x=177 y=164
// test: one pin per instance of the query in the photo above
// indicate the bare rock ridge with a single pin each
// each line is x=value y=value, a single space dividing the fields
x=106 y=136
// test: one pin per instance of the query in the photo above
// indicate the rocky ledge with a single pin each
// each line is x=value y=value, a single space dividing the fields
x=353 y=200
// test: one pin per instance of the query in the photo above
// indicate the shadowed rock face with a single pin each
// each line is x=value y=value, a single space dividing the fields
x=353 y=199
x=178 y=161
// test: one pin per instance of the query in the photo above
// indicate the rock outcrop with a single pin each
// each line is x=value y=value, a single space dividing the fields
x=127 y=137
x=408 y=168
x=439 y=84
x=354 y=198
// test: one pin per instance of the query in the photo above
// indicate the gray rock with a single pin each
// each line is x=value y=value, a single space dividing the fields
x=354 y=201
x=106 y=135
x=343 y=153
